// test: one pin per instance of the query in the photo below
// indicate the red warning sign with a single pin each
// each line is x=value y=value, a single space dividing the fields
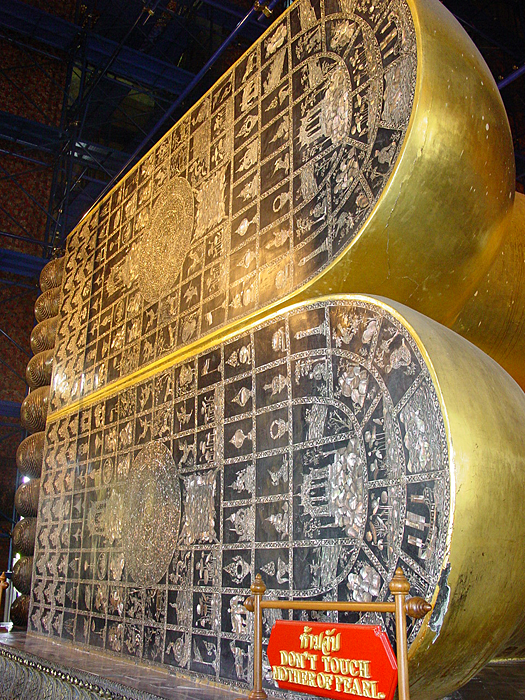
x=333 y=660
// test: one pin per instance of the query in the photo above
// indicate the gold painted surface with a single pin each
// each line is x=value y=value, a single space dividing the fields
x=30 y=453
x=319 y=108
x=478 y=552
x=419 y=220
x=47 y=304
x=43 y=335
x=324 y=383
x=494 y=317
x=22 y=574
x=39 y=368
x=433 y=229
x=20 y=610
x=483 y=589
x=34 y=408
x=26 y=498
x=23 y=535
x=52 y=274
x=514 y=647
x=442 y=217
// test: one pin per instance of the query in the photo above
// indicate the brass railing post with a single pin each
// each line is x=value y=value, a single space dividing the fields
x=257 y=588
x=4 y=583
x=416 y=607
x=400 y=587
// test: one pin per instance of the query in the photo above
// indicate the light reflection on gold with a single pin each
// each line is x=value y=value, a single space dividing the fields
x=487 y=470
x=435 y=230
x=441 y=215
x=494 y=316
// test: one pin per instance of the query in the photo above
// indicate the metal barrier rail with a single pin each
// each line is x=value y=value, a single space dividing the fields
x=399 y=586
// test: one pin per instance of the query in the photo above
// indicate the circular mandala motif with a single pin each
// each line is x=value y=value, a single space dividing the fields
x=365 y=435
x=349 y=124
x=152 y=521
x=164 y=244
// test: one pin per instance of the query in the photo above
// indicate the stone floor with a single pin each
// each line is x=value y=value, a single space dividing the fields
x=125 y=673
x=497 y=681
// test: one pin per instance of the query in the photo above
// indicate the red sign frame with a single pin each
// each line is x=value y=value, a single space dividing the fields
x=337 y=660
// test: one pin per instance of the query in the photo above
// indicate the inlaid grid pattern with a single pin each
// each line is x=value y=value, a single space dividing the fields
x=251 y=195
x=311 y=449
